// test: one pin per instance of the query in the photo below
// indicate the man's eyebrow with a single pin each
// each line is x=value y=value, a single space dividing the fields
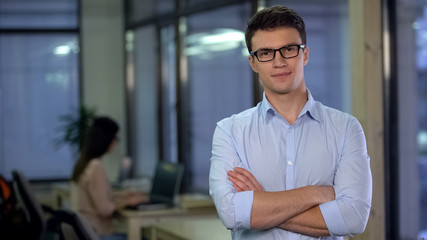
x=263 y=49
x=286 y=45
x=291 y=44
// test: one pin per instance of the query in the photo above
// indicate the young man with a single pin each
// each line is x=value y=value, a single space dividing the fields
x=289 y=168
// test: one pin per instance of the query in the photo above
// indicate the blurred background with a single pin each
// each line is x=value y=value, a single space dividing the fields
x=168 y=70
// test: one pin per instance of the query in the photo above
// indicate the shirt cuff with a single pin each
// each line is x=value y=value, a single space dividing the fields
x=333 y=219
x=242 y=209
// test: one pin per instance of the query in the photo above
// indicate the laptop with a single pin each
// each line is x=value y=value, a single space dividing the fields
x=124 y=174
x=165 y=187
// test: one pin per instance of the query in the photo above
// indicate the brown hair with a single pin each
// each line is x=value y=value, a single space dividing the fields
x=273 y=17
x=100 y=136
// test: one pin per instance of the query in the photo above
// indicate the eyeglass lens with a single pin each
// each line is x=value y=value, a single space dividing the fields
x=286 y=52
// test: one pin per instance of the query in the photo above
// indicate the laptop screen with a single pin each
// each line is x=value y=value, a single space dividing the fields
x=166 y=182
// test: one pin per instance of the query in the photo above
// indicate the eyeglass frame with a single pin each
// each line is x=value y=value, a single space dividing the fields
x=300 y=46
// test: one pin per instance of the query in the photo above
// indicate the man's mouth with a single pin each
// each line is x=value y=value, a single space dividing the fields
x=282 y=74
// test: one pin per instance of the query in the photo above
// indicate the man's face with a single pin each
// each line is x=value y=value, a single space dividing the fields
x=279 y=76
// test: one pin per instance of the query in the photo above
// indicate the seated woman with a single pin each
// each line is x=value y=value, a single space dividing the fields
x=91 y=193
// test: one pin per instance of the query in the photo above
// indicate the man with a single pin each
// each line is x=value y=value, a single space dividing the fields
x=289 y=168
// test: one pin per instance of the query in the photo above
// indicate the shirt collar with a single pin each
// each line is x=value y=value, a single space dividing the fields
x=266 y=108
x=309 y=108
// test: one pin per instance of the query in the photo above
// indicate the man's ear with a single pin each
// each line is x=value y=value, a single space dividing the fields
x=252 y=63
x=306 y=53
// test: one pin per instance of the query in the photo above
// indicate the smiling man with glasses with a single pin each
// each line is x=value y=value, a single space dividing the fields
x=288 y=51
x=289 y=168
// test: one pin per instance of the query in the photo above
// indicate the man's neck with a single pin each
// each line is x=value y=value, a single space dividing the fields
x=289 y=105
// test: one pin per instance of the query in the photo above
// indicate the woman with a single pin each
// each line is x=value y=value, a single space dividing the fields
x=91 y=194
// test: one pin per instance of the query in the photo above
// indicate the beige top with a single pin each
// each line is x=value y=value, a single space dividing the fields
x=92 y=197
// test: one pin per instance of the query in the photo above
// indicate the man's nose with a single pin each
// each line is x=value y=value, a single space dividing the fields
x=278 y=60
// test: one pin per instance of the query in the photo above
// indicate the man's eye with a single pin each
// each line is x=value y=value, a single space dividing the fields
x=264 y=53
x=290 y=49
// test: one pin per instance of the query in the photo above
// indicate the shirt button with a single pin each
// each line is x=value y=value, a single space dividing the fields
x=289 y=163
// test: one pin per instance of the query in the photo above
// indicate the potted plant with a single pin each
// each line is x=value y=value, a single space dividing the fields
x=75 y=126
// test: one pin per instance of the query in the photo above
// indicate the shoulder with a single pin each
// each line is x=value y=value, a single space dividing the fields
x=336 y=118
x=94 y=167
x=95 y=164
x=241 y=119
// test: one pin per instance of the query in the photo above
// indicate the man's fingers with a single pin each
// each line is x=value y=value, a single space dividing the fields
x=238 y=176
x=239 y=185
x=249 y=177
x=244 y=180
x=238 y=188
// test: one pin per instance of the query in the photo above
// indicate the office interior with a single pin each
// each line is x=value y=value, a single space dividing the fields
x=168 y=70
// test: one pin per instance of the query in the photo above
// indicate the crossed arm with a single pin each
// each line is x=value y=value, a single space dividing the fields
x=295 y=210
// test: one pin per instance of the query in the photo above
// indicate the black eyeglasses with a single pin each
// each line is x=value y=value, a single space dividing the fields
x=288 y=51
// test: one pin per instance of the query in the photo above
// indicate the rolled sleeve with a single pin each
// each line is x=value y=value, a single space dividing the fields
x=333 y=219
x=234 y=208
x=243 y=208
x=348 y=214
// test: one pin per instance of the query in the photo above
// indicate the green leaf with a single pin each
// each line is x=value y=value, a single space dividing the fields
x=74 y=127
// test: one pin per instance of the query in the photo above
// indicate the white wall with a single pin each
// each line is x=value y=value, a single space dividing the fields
x=103 y=83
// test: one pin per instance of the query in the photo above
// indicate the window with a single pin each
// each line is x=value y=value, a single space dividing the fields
x=420 y=27
x=39 y=64
x=220 y=81
x=409 y=146
x=144 y=10
x=169 y=101
x=38 y=14
x=327 y=73
x=203 y=76
x=143 y=98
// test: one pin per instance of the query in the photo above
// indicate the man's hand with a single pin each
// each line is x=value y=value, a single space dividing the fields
x=294 y=210
x=243 y=180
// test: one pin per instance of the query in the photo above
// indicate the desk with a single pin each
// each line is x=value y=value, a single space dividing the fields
x=61 y=195
x=190 y=229
x=136 y=220
x=194 y=206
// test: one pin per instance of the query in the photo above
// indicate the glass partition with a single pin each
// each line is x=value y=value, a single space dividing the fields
x=203 y=74
x=138 y=10
x=38 y=14
x=143 y=96
x=411 y=105
x=327 y=73
x=38 y=84
x=219 y=80
x=169 y=101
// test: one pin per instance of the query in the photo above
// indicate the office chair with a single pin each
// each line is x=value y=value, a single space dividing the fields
x=73 y=226
x=12 y=220
x=32 y=210
x=62 y=224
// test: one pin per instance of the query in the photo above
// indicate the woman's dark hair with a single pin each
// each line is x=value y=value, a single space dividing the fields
x=274 y=17
x=99 y=138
